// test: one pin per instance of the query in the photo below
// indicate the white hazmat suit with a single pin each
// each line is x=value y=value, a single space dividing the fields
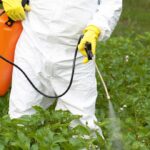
x=45 y=52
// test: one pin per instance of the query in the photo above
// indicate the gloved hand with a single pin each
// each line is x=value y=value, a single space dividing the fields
x=15 y=10
x=91 y=34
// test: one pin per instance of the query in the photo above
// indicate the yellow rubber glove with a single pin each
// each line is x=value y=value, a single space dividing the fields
x=15 y=10
x=91 y=34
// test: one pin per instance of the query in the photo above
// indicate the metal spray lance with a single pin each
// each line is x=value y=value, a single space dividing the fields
x=88 y=49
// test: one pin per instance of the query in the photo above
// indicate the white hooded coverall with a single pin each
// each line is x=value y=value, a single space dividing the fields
x=45 y=52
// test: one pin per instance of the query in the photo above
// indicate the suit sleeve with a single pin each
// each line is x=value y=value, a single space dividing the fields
x=106 y=17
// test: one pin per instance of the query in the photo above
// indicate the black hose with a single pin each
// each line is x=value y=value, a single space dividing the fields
x=32 y=84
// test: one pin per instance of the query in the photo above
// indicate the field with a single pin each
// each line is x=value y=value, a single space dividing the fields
x=124 y=61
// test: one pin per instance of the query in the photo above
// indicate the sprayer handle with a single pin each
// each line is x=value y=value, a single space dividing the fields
x=88 y=48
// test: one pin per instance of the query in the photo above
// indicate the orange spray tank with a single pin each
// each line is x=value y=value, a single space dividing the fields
x=9 y=33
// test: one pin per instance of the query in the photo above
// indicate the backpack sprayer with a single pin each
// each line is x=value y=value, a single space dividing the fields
x=10 y=32
x=8 y=39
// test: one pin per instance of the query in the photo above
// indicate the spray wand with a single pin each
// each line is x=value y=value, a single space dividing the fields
x=88 y=49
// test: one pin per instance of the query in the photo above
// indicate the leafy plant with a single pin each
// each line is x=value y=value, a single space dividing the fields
x=47 y=129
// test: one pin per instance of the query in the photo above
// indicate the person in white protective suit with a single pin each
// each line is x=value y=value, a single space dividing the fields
x=46 y=48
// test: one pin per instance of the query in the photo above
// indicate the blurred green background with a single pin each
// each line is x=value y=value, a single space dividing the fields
x=135 y=17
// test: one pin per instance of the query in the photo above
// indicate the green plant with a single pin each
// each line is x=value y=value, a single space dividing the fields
x=47 y=129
